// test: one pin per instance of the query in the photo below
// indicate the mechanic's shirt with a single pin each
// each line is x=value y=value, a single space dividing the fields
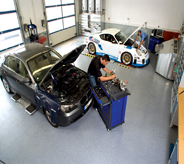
x=95 y=66
x=143 y=35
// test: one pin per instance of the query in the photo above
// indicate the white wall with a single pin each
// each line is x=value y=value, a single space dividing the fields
x=167 y=14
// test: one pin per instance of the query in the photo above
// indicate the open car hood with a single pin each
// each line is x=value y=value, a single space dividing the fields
x=132 y=34
x=73 y=55
x=68 y=58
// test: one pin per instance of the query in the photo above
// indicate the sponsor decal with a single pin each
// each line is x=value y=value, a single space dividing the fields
x=94 y=40
x=139 y=61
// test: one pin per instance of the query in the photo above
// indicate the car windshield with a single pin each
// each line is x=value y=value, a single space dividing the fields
x=40 y=64
x=120 y=37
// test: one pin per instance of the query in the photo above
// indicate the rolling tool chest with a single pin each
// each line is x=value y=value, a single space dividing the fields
x=111 y=102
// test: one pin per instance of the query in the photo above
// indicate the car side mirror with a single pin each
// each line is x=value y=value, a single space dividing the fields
x=26 y=80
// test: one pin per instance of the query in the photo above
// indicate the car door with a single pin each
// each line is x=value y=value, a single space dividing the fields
x=110 y=46
x=17 y=76
x=9 y=72
x=24 y=85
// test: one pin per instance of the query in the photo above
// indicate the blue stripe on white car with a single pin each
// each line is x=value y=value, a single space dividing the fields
x=99 y=45
x=128 y=47
x=110 y=56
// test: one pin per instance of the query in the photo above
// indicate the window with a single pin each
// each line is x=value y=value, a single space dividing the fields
x=21 y=69
x=10 y=34
x=120 y=37
x=10 y=62
x=40 y=64
x=60 y=14
x=108 y=37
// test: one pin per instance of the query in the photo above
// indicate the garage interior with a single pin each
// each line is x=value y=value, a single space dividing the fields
x=148 y=134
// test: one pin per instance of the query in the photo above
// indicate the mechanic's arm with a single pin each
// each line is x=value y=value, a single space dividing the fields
x=140 y=44
x=102 y=78
x=106 y=70
x=135 y=39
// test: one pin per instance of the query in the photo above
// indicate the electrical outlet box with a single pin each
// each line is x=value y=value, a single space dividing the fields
x=43 y=23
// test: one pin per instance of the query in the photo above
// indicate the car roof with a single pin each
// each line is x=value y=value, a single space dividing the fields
x=26 y=51
x=112 y=31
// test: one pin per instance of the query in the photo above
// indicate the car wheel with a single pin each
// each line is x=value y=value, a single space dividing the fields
x=6 y=86
x=126 y=58
x=91 y=48
x=48 y=116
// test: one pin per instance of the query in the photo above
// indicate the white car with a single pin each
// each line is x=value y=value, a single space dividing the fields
x=120 y=48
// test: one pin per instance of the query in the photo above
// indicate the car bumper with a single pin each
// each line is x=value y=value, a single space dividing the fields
x=66 y=119
x=141 y=65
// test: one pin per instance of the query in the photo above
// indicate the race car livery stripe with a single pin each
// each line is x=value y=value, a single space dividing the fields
x=99 y=45
x=128 y=47
x=110 y=56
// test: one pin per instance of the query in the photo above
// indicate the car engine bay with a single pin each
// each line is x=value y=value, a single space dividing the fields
x=68 y=84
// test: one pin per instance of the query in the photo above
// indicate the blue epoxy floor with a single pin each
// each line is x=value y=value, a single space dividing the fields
x=143 y=138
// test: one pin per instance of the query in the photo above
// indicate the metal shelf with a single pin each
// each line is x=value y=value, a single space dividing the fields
x=174 y=99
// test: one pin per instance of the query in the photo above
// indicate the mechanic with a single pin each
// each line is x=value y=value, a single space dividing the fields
x=144 y=38
x=94 y=72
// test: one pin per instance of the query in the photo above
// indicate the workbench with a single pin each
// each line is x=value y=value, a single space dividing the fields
x=111 y=103
x=178 y=150
x=180 y=125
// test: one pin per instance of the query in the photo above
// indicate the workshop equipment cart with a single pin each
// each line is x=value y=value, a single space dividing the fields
x=111 y=103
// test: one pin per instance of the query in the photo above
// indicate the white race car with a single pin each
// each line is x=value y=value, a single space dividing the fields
x=114 y=43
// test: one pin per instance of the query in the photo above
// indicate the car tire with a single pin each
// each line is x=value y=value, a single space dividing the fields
x=91 y=48
x=126 y=58
x=48 y=117
x=6 y=86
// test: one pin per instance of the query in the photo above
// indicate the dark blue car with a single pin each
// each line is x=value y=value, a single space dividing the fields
x=49 y=82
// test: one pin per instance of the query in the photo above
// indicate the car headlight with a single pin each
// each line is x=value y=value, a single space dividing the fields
x=67 y=108
x=145 y=51
x=138 y=52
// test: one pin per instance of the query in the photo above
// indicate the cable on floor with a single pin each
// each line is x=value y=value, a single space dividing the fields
x=2 y=162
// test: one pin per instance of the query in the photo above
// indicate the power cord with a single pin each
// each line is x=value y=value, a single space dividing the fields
x=2 y=162
x=181 y=92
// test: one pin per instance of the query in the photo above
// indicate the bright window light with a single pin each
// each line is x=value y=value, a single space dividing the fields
x=55 y=25
x=10 y=39
x=68 y=10
x=52 y=2
x=8 y=21
x=6 y=5
x=67 y=1
x=68 y=22
x=53 y=12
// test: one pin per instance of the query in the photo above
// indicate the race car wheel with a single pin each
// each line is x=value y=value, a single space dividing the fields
x=91 y=48
x=48 y=116
x=126 y=58
x=6 y=86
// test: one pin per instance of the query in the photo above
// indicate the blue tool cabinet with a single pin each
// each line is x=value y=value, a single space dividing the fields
x=112 y=111
x=153 y=41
